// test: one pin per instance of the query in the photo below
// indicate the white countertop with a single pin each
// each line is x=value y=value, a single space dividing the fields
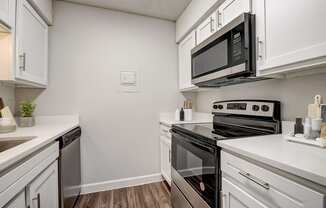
x=305 y=161
x=168 y=118
x=46 y=130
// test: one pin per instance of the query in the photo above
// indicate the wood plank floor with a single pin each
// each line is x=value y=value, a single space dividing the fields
x=155 y=195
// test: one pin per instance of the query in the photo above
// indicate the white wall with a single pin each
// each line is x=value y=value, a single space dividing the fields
x=88 y=48
x=295 y=94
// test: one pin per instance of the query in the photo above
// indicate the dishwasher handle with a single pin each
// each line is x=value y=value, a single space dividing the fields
x=69 y=137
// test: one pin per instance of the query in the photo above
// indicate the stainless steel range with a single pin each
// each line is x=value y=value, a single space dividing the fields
x=196 y=172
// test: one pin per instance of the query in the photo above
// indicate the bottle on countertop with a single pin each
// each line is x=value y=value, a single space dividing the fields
x=182 y=115
x=307 y=128
x=315 y=127
x=323 y=112
x=177 y=115
x=188 y=110
x=314 y=110
x=298 y=127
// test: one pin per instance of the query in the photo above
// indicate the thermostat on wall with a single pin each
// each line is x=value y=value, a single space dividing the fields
x=128 y=78
x=129 y=81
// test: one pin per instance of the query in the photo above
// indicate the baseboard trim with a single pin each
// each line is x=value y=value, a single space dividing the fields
x=121 y=183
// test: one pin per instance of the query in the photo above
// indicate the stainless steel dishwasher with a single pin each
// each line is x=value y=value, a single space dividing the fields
x=69 y=168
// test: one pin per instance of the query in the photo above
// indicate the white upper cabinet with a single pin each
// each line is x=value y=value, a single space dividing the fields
x=191 y=15
x=231 y=9
x=31 y=45
x=207 y=28
x=185 y=48
x=7 y=12
x=290 y=35
x=44 y=7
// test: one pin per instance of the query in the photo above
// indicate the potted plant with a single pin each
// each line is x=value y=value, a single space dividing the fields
x=26 y=118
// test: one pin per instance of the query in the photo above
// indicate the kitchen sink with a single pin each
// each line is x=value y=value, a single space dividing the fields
x=8 y=143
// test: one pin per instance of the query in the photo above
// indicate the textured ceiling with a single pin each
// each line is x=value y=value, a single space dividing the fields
x=165 y=9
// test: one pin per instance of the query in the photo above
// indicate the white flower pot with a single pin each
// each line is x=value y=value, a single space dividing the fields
x=26 y=121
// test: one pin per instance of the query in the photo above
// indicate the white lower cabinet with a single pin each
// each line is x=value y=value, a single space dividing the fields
x=165 y=141
x=245 y=184
x=234 y=197
x=166 y=159
x=18 y=202
x=32 y=183
x=43 y=191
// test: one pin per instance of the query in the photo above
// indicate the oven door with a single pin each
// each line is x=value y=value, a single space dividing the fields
x=195 y=169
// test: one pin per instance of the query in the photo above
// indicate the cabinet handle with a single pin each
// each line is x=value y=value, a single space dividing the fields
x=23 y=60
x=212 y=24
x=259 y=45
x=38 y=198
x=169 y=156
x=222 y=200
x=219 y=17
x=255 y=180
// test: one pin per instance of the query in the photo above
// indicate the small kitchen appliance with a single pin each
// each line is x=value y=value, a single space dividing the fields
x=196 y=174
x=228 y=56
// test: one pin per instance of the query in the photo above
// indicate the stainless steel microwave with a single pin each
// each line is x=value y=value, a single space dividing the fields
x=227 y=57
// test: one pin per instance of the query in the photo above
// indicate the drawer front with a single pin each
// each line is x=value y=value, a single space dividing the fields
x=273 y=189
x=165 y=131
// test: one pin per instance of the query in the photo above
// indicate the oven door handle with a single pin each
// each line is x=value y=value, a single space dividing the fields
x=184 y=136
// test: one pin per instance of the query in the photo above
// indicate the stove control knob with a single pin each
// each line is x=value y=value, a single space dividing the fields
x=265 y=108
x=255 y=107
x=219 y=107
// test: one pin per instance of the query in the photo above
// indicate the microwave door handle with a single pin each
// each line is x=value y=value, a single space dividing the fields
x=246 y=33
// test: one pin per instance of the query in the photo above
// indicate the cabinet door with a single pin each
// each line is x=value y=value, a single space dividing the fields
x=18 y=202
x=185 y=48
x=32 y=45
x=290 y=35
x=166 y=158
x=231 y=9
x=43 y=191
x=234 y=197
x=7 y=8
x=45 y=9
x=206 y=28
